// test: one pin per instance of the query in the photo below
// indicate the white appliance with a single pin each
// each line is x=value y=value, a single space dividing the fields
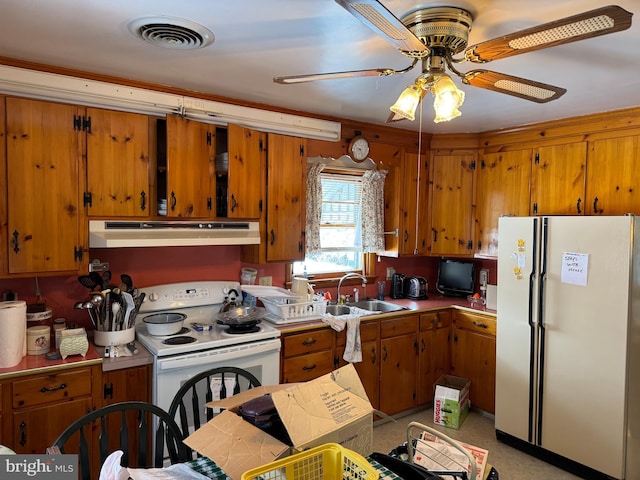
x=568 y=342
x=203 y=344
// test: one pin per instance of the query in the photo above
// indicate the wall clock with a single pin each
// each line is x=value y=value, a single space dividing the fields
x=359 y=148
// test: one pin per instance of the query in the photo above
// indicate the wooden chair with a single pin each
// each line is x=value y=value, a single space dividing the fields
x=155 y=433
x=187 y=407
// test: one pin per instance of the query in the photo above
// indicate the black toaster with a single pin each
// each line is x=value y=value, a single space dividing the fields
x=415 y=288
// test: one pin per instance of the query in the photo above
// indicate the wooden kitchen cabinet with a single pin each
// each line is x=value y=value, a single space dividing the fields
x=502 y=190
x=558 y=175
x=414 y=229
x=451 y=185
x=43 y=405
x=369 y=369
x=307 y=355
x=613 y=176
x=434 y=352
x=398 y=363
x=118 y=182
x=46 y=222
x=245 y=196
x=473 y=355
x=391 y=159
x=187 y=179
x=283 y=221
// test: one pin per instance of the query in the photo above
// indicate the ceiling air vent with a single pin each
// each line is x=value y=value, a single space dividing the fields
x=171 y=32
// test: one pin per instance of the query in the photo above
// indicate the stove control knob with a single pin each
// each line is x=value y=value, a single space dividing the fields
x=153 y=297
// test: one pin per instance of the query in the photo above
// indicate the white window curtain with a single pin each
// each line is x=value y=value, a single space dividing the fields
x=314 y=207
x=373 y=211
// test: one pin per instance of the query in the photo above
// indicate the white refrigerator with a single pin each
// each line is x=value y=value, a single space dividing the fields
x=568 y=342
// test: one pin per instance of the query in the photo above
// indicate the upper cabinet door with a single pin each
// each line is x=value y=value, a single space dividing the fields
x=118 y=164
x=415 y=227
x=613 y=176
x=502 y=189
x=191 y=150
x=45 y=216
x=558 y=179
x=286 y=194
x=451 y=203
x=247 y=170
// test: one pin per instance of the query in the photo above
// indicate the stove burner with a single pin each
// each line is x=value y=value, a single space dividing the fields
x=180 y=340
x=239 y=330
x=183 y=330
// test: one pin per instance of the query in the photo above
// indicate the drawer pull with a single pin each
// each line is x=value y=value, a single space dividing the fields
x=310 y=367
x=480 y=324
x=62 y=386
x=309 y=341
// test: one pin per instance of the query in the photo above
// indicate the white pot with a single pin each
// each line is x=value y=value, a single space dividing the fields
x=164 y=323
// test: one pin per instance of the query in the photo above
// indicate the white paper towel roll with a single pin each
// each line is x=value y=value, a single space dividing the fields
x=13 y=332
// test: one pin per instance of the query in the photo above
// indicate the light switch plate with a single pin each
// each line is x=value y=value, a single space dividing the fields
x=484 y=277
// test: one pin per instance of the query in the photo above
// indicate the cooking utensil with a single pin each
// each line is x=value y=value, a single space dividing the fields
x=164 y=323
x=88 y=282
x=129 y=305
x=240 y=315
x=127 y=281
x=97 y=278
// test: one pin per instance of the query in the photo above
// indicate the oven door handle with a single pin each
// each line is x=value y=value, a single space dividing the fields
x=218 y=355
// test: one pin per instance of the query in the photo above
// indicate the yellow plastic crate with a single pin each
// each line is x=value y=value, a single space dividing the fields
x=326 y=462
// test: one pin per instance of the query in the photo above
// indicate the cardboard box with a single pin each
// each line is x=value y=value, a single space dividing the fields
x=332 y=408
x=451 y=401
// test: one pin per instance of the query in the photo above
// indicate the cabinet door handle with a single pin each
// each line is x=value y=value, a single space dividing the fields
x=62 y=386
x=309 y=341
x=273 y=237
x=310 y=367
x=234 y=203
x=480 y=324
x=384 y=354
x=579 y=205
x=595 y=205
x=435 y=235
x=143 y=200
x=373 y=355
x=23 y=434
x=174 y=201
x=406 y=236
x=15 y=241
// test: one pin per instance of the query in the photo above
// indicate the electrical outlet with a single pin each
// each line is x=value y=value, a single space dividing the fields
x=265 y=281
x=390 y=272
x=484 y=277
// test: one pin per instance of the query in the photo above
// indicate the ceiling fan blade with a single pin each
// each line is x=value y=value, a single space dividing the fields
x=516 y=86
x=600 y=21
x=379 y=19
x=376 y=72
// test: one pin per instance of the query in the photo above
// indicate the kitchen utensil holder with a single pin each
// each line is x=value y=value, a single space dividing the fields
x=120 y=337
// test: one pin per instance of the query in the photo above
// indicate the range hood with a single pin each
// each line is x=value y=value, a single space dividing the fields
x=117 y=234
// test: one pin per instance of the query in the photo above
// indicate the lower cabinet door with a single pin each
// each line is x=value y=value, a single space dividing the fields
x=35 y=429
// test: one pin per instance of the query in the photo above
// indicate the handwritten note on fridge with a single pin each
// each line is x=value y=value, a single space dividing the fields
x=574 y=268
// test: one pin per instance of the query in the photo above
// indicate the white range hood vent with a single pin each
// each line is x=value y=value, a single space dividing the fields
x=118 y=234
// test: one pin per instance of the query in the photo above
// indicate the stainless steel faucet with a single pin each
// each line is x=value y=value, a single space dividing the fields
x=352 y=275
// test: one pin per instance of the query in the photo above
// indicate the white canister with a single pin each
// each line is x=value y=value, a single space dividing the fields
x=38 y=340
x=58 y=326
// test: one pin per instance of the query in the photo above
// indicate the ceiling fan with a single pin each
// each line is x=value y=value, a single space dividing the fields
x=435 y=35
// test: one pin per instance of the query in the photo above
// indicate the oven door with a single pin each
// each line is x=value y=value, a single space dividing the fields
x=261 y=358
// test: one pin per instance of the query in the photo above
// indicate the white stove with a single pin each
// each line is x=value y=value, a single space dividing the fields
x=203 y=343
x=200 y=302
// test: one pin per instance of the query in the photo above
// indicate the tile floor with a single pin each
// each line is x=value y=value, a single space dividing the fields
x=477 y=429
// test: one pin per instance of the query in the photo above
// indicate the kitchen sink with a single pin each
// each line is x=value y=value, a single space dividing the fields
x=377 y=306
x=338 y=310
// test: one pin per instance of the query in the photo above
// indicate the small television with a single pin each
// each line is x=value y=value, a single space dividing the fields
x=456 y=278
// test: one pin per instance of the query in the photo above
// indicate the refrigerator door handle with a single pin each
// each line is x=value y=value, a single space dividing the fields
x=541 y=326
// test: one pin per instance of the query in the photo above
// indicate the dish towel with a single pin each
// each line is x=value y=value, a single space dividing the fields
x=353 y=347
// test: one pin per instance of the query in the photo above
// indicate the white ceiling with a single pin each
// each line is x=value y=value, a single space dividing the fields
x=256 y=40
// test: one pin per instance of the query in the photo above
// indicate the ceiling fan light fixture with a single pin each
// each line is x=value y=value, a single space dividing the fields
x=447 y=99
x=408 y=101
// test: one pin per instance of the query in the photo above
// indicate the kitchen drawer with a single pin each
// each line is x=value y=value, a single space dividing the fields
x=476 y=322
x=56 y=387
x=392 y=327
x=306 y=342
x=432 y=320
x=368 y=333
x=307 y=367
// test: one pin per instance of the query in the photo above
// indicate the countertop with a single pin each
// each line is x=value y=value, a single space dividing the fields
x=434 y=302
